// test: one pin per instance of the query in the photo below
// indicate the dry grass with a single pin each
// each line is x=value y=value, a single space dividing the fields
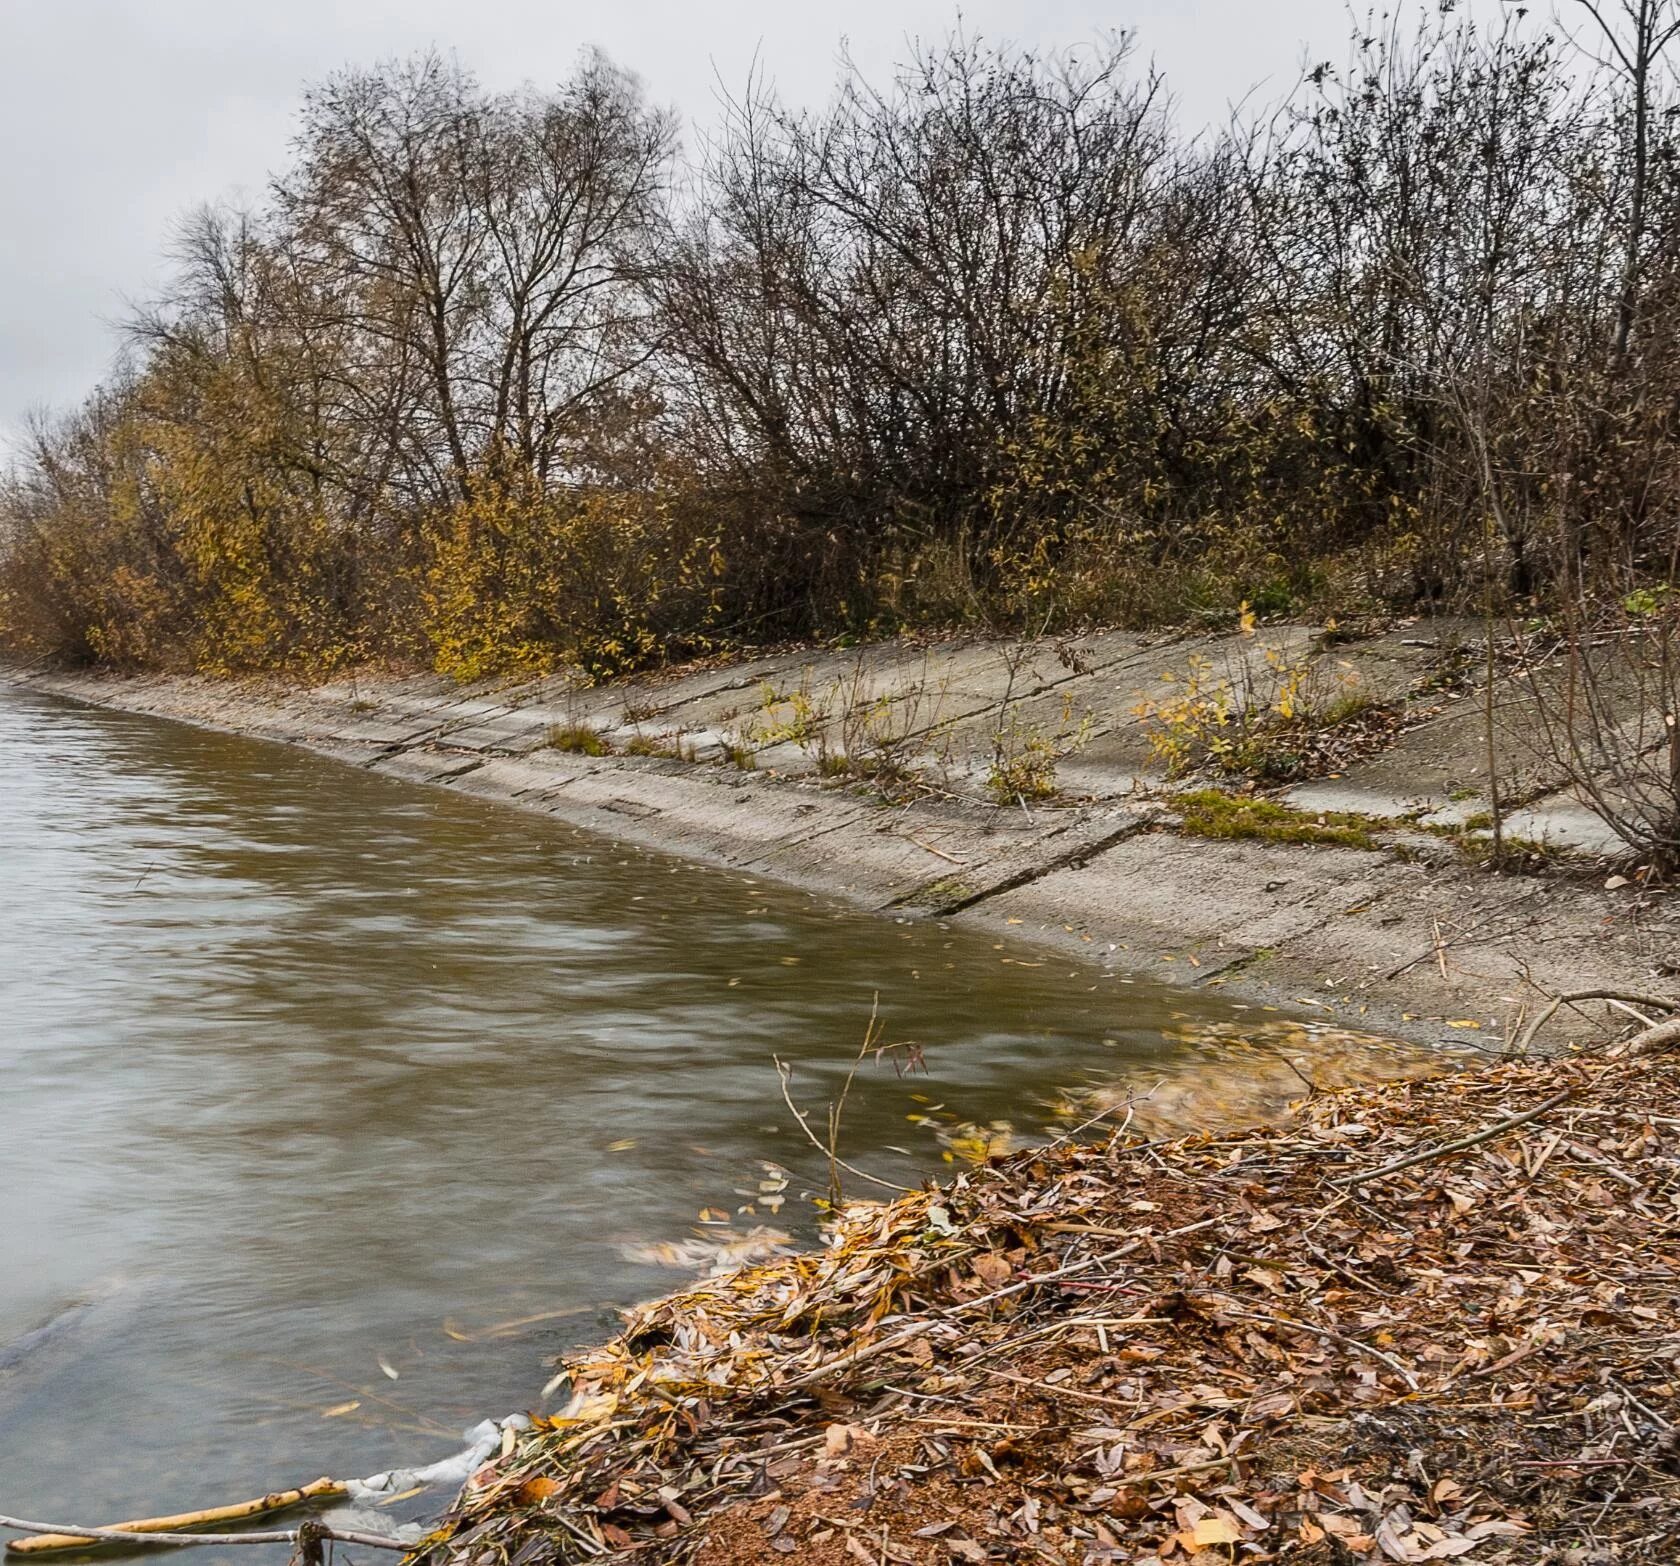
x=578 y=739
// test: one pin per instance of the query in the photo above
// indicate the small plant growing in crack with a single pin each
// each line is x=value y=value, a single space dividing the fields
x=1023 y=765
x=674 y=747
x=1259 y=712
x=1025 y=756
x=578 y=739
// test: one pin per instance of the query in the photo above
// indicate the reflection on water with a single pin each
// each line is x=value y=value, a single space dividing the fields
x=332 y=1106
x=1224 y=1074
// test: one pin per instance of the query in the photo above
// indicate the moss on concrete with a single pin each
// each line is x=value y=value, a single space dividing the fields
x=1210 y=812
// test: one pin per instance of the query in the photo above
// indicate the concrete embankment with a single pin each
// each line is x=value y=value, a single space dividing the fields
x=758 y=765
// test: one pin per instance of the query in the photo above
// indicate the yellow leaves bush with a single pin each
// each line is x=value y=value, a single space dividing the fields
x=202 y=546
x=263 y=565
x=210 y=548
x=605 y=579
x=1244 y=715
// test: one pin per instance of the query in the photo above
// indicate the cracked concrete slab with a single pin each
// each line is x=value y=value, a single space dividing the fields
x=425 y=766
x=1439 y=764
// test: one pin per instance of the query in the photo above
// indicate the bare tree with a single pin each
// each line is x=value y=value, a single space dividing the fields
x=1636 y=34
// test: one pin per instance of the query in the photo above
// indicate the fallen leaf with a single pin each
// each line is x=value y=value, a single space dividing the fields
x=839 y=1439
x=1216 y=1528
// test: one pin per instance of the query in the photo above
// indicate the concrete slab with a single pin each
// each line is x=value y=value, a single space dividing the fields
x=383 y=692
x=827 y=693
x=425 y=766
x=650 y=697
x=517 y=731
x=1440 y=764
x=1188 y=898
x=1437 y=769
x=1030 y=847
x=514 y=777
x=1562 y=823
x=381 y=733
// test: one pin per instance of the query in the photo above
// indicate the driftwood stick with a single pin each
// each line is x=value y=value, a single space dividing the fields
x=45 y=1537
x=1486 y=1134
x=83 y=1536
x=1569 y=997
x=274 y=1501
x=1665 y=1035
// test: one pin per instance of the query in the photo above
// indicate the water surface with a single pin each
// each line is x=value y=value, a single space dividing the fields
x=311 y=1077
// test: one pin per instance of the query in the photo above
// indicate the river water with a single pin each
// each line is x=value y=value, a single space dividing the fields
x=316 y=1087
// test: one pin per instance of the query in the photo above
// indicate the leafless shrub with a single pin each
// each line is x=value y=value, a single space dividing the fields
x=1606 y=713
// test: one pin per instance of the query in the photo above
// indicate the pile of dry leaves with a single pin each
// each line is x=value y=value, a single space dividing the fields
x=1342 y=1339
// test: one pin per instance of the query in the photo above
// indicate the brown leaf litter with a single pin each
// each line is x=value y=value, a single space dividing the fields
x=1339 y=1339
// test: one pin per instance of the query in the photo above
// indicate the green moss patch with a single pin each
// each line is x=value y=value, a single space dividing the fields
x=1210 y=812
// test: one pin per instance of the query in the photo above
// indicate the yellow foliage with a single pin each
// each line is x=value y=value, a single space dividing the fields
x=519 y=582
x=1242 y=715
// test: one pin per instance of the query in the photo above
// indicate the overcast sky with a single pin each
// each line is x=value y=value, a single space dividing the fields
x=117 y=115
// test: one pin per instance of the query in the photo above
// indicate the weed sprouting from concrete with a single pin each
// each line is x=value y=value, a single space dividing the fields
x=579 y=739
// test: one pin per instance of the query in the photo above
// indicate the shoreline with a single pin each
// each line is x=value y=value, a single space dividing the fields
x=1359 y=1332
x=1424 y=947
